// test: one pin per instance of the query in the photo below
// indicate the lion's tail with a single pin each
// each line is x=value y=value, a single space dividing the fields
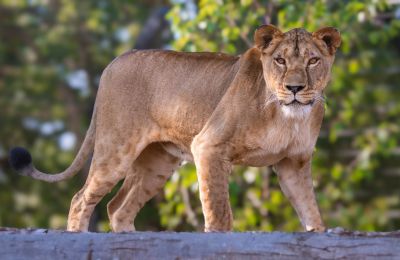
x=21 y=160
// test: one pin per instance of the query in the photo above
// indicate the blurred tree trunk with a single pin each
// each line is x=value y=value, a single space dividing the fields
x=155 y=32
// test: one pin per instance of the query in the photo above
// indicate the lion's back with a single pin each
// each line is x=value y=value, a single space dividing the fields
x=177 y=87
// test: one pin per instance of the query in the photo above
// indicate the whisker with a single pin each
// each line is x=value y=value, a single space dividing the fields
x=320 y=99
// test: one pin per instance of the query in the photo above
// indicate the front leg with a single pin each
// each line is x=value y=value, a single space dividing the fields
x=213 y=176
x=295 y=180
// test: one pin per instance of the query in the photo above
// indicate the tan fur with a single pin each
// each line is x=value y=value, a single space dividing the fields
x=156 y=108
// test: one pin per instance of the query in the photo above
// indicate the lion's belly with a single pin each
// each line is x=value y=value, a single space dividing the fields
x=180 y=152
x=258 y=158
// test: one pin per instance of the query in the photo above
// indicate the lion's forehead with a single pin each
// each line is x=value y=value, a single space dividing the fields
x=297 y=43
x=297 y=33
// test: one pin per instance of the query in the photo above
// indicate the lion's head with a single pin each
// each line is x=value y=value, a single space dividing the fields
x=297 y=64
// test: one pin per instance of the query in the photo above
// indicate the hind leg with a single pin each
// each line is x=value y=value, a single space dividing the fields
x=128 y=188
x=83 y=203
x=109 y=165
x=147 y=177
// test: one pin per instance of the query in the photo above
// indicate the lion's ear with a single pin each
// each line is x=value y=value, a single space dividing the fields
x=330 y=36
x=264 y=35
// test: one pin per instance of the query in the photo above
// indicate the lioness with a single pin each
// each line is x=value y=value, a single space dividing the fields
x=156 y=108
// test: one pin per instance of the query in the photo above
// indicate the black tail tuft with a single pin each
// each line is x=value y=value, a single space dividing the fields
x=20 y=158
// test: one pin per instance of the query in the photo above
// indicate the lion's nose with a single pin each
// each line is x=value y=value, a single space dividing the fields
x=295 y=89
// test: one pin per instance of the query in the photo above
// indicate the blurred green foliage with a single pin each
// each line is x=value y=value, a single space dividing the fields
x=356 y=167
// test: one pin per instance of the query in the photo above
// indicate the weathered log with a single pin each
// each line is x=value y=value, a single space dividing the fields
x=50 y=244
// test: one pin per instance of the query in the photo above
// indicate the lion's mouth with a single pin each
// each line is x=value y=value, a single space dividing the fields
x=295 y=102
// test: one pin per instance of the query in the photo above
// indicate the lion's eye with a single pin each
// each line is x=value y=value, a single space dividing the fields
x=313 y=61
x=280 y=61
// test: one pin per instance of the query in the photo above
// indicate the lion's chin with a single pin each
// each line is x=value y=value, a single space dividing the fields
x=296 y=109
